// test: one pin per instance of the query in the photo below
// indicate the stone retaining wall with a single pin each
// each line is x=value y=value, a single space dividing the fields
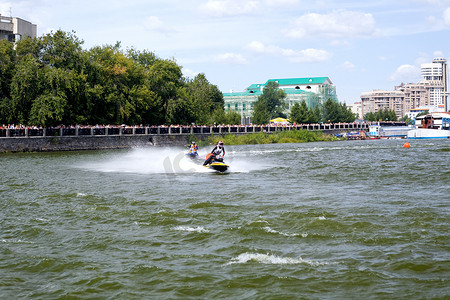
x=71 y=143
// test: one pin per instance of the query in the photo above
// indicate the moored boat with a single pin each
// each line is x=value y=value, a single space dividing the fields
x=431 y=126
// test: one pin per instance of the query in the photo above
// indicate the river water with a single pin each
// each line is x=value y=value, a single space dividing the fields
x=328 y=220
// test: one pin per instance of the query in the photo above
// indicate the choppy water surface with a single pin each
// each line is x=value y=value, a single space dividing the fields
x=339 y=220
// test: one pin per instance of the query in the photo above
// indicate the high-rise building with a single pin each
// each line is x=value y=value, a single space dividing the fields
x=432 y=92
x=13 y=29
x=436 y=75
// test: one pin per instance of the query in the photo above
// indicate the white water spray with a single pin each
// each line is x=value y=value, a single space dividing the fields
x=165 y=161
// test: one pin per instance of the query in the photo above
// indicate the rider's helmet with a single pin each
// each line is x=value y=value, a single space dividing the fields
x=193 y=143
x=220 y=144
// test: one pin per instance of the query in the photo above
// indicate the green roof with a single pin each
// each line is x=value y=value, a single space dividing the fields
x=295 y=91
x=245 y=93
x=293 y=81
x=256 y=90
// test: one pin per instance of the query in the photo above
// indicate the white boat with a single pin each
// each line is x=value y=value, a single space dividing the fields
x=431 y=126
x=388 y=130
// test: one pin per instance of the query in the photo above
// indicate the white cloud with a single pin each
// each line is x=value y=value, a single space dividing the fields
x=340 y=43
x=282 y=3
x=221 y=8
x=447 y=17
x=153 y=23
x=256 y=47
x=231 y=58
x=306 y=56
x=438 y=54
x=406 y=73
x=348 y=66
x=337 y=24
x=189 y=73
x=309 y=55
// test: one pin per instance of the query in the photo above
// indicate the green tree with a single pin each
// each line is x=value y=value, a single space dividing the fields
x=270 y=104
x=346 y=114
x=181 y=110
x=381 y=115
x=299 y=113
x=25 y=87
x=7 y=60
x=51 y=79
x=370 y=116
x=314 y=115
x=233 y=117
x=164 y=78
x=261 y=114
x=48 y=110
x=206 y=99
x=331 y=111
x=61 y=50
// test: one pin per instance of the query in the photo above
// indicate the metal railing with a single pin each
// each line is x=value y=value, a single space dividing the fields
x=170 y=130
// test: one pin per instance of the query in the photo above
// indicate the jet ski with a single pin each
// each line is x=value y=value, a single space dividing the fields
x=218 y=166
x=191 y=155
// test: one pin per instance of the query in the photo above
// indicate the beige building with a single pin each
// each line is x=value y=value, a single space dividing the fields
x=430 y=92
x=13 y=29
x=379 y=100
x=415 y=95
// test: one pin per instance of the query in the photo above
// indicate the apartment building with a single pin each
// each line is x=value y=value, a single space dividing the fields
x=436 y=75
x=13 y=29
x=377 y=100
x=415 y=95
x=430 y=92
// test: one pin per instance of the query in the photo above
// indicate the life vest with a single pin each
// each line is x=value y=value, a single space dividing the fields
x=218 y=152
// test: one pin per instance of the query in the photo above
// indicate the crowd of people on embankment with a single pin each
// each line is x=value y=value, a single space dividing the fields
x=97 y=126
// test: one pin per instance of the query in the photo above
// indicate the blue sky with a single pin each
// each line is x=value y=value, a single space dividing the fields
x=359 y=45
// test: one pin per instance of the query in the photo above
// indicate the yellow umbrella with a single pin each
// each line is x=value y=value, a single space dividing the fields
x=279 y=120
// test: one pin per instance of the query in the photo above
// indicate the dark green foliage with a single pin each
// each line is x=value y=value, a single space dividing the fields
x=292 y=136
x=52 y=80
x=270 y=104
x=334 y=112
x=231 y=117
x=299 y=113
x=381 y=115
x=331 y=111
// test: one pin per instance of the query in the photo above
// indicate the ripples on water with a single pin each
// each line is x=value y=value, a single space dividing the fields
x=325 y=220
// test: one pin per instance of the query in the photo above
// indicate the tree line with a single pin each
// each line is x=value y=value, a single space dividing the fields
x=51 y=80
x=382 y=115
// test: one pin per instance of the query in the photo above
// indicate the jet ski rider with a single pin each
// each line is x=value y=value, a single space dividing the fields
x=216 y=154
x=193 y=148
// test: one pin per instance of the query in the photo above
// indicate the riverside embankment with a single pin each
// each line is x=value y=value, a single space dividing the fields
x=110 y=137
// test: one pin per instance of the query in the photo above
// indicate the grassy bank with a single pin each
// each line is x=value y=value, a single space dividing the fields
x=293 y=136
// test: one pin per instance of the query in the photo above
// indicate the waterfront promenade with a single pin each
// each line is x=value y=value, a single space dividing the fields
x=73 y=138
x=107 y=130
